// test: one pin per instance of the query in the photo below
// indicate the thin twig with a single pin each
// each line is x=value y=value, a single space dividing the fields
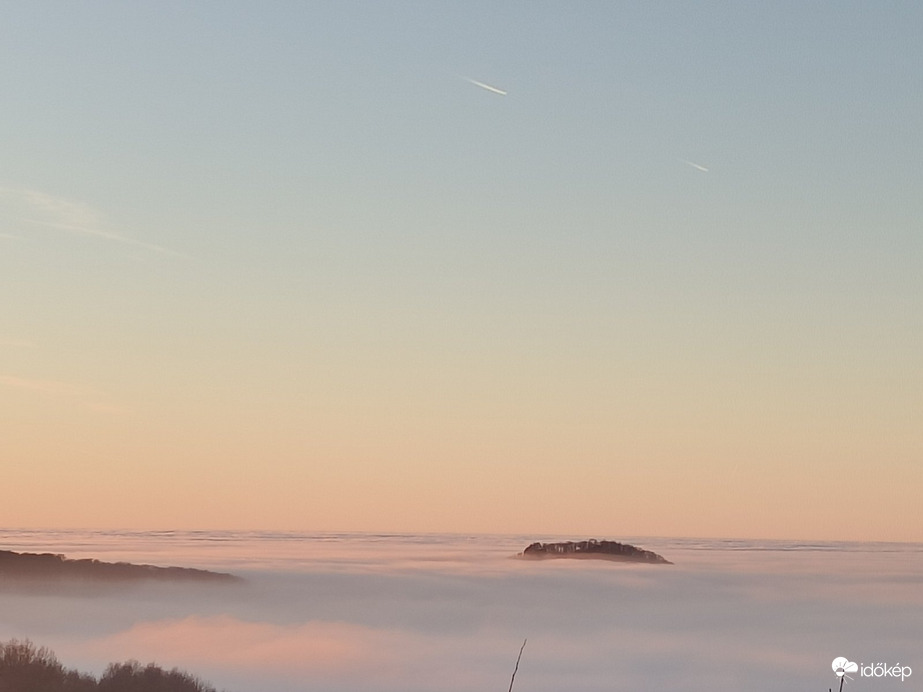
x=517 y=663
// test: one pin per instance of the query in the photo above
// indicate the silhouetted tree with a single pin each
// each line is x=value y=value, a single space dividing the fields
x=133 y=677
x=25 y=668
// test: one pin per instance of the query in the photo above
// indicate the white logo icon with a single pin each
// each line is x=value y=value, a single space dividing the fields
x=841 y=666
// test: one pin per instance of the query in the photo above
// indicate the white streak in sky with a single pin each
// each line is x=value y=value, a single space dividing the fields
x=39 y=208
x=84 y=396
x=485 y=86
x=694 y=165
x=107 y=235
x=53 y=387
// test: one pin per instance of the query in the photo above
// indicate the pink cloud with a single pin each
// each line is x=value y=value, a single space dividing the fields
x=309 y=648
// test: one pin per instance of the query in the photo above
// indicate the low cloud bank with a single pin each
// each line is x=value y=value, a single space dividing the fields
x=409 y=626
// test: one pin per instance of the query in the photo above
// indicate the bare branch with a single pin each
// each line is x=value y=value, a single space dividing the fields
x=517 y=663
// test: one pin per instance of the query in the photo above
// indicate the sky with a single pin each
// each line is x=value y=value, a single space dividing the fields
x=295 y=266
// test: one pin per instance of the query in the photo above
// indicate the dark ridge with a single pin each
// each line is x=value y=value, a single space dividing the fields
x=600 y=550
x=50 y=566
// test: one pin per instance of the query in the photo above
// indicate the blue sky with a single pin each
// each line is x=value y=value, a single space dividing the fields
x=291 y=245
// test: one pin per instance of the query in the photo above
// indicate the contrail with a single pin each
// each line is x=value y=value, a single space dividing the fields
x=485 y=86
x=108 y=235
x=695 y=165
x=46 y=210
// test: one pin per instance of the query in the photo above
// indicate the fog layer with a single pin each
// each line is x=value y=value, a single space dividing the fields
x=402 y=614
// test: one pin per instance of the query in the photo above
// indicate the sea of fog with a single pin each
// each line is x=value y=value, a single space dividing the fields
x=400 y=613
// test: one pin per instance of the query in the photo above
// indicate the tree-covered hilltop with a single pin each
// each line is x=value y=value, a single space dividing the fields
x=46 y=566
x=27 y=668
x=602 y=550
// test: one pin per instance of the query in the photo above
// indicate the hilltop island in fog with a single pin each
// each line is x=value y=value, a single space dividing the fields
x=593 y=549
x=44 y=566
